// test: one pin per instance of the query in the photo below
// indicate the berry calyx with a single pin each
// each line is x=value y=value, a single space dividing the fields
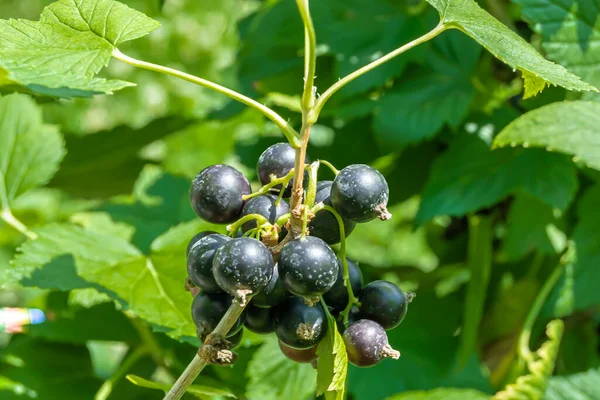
x=259 y=320
x=200 y=260
x=324 y=225
x=308 y=267
x=299 y=356
x=337 y=297
x=273 y=294
x=360 y=193
x=299 y=326
x=265 y=206
x=367 y=343
x=277 y=160
x=208 y=310
x=384 y=303
x=197 y=237
x=216 y=193
x=243 y=267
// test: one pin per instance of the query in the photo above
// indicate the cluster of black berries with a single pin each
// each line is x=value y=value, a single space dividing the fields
x=283 y=278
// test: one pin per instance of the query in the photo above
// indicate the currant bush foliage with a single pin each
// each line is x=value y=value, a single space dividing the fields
x=488 y=190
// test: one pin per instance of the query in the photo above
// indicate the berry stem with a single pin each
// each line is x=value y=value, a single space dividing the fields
x=297 y=220
x=233 y=228
x=310 y=55
x=289 y=132
x=330 y=166
x=352 y=300
x=198 y=363
x=369 y=67
x=284 y=181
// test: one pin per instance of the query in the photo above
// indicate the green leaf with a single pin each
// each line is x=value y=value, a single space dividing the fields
x=566 y=127
x=273 y=376
x=532 y=226
x=442 y=394
x=479 y=262
x=469 y=176
x=469 y=17
x=102 y=223
x=570 y=31
x=581 y=386
x=60 y=54
x=118 y=267
x=431 y=97
x=199 y=391
x=107 y=163
x=333 y=363
x=29 y=150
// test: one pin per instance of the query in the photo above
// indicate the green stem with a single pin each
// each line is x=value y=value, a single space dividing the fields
x=369 y=67
x=233 y=228
x=330 y=166
x=352 y=300
x=288 y=130
x=197 y=364
x=143 y=330
x=283 y=219
x=524 y=351
x=283 y=181
x=10 y=219
x=310 y=56
x=108 y=385
x=311 y=193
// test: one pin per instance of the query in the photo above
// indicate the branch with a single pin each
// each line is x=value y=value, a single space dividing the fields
x=369 y=67
x=198 y=363
x=288 y=130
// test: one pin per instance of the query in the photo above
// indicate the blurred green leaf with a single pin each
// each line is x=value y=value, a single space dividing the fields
x=582 y=386
x=201 y=392
x=102 y=223
x=570 y=30
x=469 y=176
x=506 y=45
x=46 y=56
x=29 y=150
x=532 y=226
x=332 y=367
x=439 y=93
x=273 y=376
x=567 y=127
x=442 y=394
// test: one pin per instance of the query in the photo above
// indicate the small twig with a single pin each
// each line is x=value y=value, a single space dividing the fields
x=10 y=219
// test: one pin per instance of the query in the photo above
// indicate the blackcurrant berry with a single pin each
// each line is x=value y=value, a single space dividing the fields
x=197 y=237
x=337 y=296
x=265 y=206
x=384 y=303
x=324 y=225
x=274 y=293
x=200 y=260
x=360 y=193
x=308 y=267
x=277 y=160
x=299 y=356
x=298 y=325
x=208 y=310
x=243 y=266
x=216 y=193
x=236 y=338
x=259 y=320
x=367 y=343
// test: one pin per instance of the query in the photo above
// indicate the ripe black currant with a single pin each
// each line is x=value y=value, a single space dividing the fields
x=273 y=294
x=299 y=356
x=308 y=267
x=243 y=266
x=360 y=193
x=277 y=160
x=298 y=325
x=208 y=310
x=384 y=303
x=200 y=260
x=265 y=206
x=337 y=296
x=367 y=343
x=216 y=193
x=236 y=338
x=324 y=225
x=259 y=320
x=197 y=237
